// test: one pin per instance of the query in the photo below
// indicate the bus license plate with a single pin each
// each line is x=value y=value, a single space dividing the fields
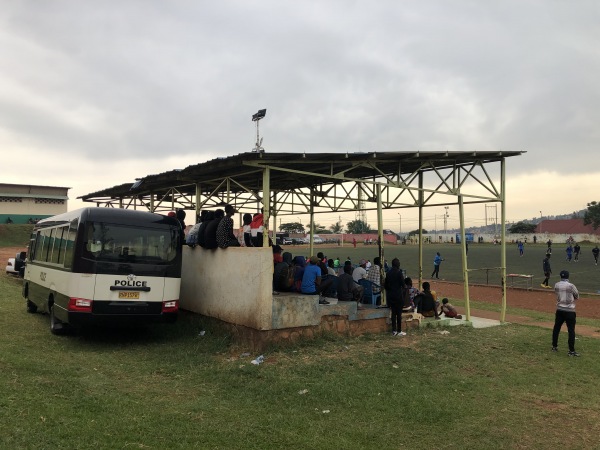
x=129 y=295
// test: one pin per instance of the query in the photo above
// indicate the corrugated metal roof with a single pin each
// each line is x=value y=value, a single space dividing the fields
x=295 y=170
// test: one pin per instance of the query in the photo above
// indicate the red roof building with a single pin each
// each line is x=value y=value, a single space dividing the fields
x=566 y=226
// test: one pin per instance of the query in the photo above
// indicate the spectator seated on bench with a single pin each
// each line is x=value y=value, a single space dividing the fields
x=369 y=297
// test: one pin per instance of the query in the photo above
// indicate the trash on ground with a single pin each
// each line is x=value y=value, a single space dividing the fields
x=444 y=332
x=258 y=360
x=202 y=333
x=395 y=366
x=303 y=391
x=326 y=411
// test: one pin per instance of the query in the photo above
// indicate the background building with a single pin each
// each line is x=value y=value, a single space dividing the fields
x=23 y=203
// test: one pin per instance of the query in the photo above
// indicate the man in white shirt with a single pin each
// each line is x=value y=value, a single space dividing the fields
x=360 y=272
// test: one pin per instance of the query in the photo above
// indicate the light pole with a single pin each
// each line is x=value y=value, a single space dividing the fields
x=400 y=219
x=446 y=223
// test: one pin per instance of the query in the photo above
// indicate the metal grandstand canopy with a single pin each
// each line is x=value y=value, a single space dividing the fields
x=299 y=183
x=316 y=182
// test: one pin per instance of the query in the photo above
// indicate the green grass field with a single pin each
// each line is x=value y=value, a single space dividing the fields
x=584 y=274
x=168 y=387
x=15 y=235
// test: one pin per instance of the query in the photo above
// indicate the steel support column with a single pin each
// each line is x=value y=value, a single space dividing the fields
x=461 y=214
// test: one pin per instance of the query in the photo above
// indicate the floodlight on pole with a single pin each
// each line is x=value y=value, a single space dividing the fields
x=256 y=118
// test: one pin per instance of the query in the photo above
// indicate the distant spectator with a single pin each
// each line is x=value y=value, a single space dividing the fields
x=312 y=283
x=449 y=310
x=299 y=266
x=374 y=275
x=180 y=214
x=247 y=220
x=360 y=272
x=283 y=274
x=395 y=292
x=206 y=218
x=257 y=228
x=277 y=256
x=347 y=289
x=566 y=298
x=225 y=236
x=429 y=304
x=192 y=237
x=413 y=293
x=596 y=253
x=210 y=232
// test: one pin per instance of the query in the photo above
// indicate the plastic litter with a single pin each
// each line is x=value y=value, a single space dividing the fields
x=303 y=391
x=444 y=332
x=395 y=366
x=258 y=360
x=202 y=333
x=326 y=411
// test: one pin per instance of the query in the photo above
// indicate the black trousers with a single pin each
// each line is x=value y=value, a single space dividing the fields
x=436 y=271
x=396 y=316
x=561 y=317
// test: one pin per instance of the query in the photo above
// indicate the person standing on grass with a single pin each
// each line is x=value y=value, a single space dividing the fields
x=521 y=247
x=394 y=291
x=576 y=251
x=569 y=251
x=436 y=265
x=596 y=252
x=566 y=296
x=547 y=270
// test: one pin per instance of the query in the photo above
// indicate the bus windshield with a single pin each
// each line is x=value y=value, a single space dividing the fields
x=107 y=242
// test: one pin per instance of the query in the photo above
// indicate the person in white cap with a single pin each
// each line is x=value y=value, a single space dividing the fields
x=360 y=272
x=566 y=296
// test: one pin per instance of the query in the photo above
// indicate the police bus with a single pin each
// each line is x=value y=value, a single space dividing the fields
x=104 y=265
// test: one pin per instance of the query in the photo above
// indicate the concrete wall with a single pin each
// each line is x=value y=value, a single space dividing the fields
x=234 y=285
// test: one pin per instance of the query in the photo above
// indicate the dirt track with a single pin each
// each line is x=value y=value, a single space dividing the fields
x=539 y=299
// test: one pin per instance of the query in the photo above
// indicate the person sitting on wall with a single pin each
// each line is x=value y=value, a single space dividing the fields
x=210 y=232
x=192 y=237
x=225 y=236
x=256 y=228
x=208 y=216
x=428 y=304
x=312 y=283
x=247 y=220
x=299 y=266
x=283 y=274
x=449 y=310
x=347 y=289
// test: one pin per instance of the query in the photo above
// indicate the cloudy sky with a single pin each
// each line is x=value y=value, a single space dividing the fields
x=95 y=94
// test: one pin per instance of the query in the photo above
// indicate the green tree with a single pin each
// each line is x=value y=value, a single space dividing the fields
x=592 y=215
x=358 y=227
x=291 y=227
x=336 y=227
x=522 y=227
x=416 y=232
